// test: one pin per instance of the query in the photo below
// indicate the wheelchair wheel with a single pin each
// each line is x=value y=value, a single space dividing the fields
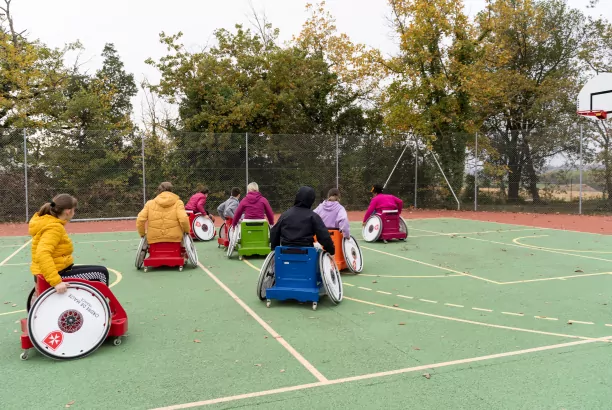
x=31 y=299
x=192 y=254
x=61 y=329
x=352 y=254
x=403 y=227
x=266 y=276
x=332 y=282
x=234 y=236
x=372 y=229
x=141 y=253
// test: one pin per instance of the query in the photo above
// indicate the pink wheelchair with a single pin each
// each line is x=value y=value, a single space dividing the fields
x=385 y=225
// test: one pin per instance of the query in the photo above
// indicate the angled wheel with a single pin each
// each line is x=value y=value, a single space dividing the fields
x=31 y=299
x=372 y=229
x=192 y=254
x=332 y=282
x=71 y=325
x=352 y=254
x=403 y=227
x=141 y=252
x=234 y=236
x=266 y=277
x=203 y=228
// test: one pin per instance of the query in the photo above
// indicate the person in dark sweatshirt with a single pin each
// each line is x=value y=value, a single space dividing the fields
x=298 y=225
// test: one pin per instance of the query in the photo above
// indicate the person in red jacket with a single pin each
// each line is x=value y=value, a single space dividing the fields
x=253 y=206
x=197 y=203
x=382 y=202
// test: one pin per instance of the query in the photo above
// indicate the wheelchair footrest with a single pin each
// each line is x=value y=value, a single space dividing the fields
x=301 y=294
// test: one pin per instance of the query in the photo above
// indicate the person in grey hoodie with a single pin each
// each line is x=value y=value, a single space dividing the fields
x=227 y=208
x=333 y=214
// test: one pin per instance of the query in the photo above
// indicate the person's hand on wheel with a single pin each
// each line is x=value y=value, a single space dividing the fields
x=61 y=287
x=363 y=224
x=346 y=235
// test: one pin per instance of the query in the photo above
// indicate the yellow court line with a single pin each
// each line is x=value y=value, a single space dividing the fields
x=537 y=249
x=431 y=366
x=267 y=327
x=516 y=241
x=434 y=233
x=8 y=258
x=433 y=266
x=555 y=278
x=10 y=313
x=250 y=264
x=455 y=319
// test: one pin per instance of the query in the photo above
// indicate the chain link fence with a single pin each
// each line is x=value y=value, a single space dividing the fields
x=113 y=174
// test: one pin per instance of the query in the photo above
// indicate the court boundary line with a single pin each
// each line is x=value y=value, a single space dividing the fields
x=369 y=376
x=516 y=241
x=8 y=258
x=301 y=359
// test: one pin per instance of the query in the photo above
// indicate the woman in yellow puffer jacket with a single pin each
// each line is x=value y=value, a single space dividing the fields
x=52 y=248
x=166 y=216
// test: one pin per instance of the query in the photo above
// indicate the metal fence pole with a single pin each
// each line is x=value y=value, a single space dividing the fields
x=416 y=169
x=580 y=173
x=25 y=171
x=246 y=144
x=144 y=179
x=476 y=174
x=337 y=163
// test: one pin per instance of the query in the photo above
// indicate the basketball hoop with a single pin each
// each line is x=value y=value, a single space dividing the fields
x=601 y=115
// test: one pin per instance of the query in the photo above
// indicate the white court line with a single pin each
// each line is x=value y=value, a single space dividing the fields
x=361 y=287
x=513 y=314
x=379 y=374
x=582 y=323
x=114 y=240
x=384 y=293
x=453 y=305
x=546 y=318
x=482 y=310
x=405 y=297
x=266 y=326
x=15 y=253
x=428 y=301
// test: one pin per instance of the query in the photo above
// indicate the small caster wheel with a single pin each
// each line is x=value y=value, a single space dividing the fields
x=240 y=257
x=180 y=268
x=268 y=303
x=146 y=269
x=385 y=241
x=24 y=355
x=314 y=305
x=117 y=341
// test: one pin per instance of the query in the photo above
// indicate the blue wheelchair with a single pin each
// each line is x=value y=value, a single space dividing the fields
x=299 y=273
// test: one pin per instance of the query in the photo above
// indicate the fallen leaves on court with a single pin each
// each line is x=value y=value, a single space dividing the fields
x=70 y=403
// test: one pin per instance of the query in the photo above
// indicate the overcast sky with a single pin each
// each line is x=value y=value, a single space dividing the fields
x=134 y=25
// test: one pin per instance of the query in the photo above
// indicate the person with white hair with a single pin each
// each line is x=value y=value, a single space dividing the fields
x=253 y=206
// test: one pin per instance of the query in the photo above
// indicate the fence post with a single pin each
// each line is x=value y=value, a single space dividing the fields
x=580 y=173
x=246 y=144
x=416 y=169
x=144 y=179
x=25 y=170
x=476 y=174
x=337 y=163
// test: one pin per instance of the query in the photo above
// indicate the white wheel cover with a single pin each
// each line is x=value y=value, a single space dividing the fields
x=266 y=276
x=372 y=229
x=141 y=252
x=71 y=325
x=403 y=226
x=192 y=254
x=203 y=228
x=332 y=282
x=352 y=254
x=234 y=236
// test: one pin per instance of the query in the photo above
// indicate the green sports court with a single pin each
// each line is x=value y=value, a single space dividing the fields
x=464 y=314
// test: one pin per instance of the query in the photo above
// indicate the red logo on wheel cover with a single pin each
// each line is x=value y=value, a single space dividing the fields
x=54 y=339
x=198 y=224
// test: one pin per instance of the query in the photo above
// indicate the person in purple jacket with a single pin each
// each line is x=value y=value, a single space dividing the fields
x=197 y=203
x=333 y=214
x=253 y=206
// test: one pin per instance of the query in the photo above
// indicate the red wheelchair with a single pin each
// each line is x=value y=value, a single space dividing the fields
x=74 y=324
x=385 y=225
x=166 y=254
x=202 y=227
x=223 y=238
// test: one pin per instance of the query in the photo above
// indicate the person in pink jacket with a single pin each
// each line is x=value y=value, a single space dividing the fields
x=253 y=206
x=197 y=203
x=382 y=202
x=333 y=214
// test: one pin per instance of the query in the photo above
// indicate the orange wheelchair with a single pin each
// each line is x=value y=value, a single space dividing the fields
x=348 y=253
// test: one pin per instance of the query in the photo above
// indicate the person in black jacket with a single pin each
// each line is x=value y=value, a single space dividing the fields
x=299 y=224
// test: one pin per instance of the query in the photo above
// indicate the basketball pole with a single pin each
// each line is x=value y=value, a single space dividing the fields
x=398 y=160
x=580 y=173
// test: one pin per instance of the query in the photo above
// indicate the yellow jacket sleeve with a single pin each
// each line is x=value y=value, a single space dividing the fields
x=182 y=216
x=142 y=218
x=49 y=239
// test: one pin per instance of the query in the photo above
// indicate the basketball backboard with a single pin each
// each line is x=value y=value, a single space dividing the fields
x=596 y=96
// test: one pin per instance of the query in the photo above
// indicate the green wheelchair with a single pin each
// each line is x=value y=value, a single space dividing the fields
x=251 y=237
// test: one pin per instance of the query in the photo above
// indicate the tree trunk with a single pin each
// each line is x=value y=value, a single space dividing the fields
x=531 y=173
x=514 y=167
